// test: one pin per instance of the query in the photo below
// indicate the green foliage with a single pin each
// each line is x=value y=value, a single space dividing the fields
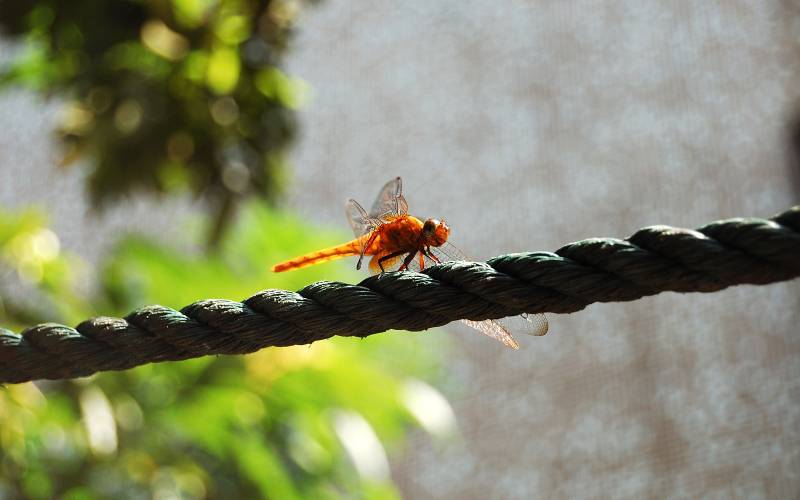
x=279 y=423
x=170 y=96
x=143 y=271
x=33 y=252
x=166 y=95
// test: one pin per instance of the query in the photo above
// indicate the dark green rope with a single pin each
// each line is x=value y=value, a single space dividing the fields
x=655 y=259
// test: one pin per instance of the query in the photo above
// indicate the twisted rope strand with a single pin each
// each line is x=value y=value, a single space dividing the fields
x=655 y=259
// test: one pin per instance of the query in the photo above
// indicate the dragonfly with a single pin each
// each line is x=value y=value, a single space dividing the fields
x=397 y=241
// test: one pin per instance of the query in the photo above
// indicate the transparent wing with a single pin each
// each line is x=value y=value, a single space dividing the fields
x=448 y=253
x=390 y=201
x=499 y=329
x=445 y=253
x=389 y=204
x=493 y=329
x=528 y=324
x=362 y=224
x=359 y=220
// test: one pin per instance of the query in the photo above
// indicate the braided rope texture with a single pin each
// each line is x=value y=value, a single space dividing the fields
x=655 y=259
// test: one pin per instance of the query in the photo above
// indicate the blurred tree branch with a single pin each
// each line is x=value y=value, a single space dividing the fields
x=165 y=96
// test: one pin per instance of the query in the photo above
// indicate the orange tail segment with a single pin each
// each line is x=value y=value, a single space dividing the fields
x=345 y=250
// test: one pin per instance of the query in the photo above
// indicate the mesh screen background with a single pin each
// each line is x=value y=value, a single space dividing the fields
x=532 y=124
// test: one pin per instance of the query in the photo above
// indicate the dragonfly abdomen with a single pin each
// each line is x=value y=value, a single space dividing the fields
x=345 y=250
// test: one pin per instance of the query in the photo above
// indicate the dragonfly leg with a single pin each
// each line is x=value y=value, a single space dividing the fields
x=433 y=257
x=364 y=250
x=387 y=257
x=407 y=260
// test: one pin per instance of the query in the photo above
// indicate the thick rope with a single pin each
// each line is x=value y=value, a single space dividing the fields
x=655 y=259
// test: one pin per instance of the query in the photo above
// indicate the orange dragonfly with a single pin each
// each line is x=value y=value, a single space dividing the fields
x=398 y=241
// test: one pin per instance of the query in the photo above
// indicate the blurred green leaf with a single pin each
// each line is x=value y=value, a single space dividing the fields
x=192 y=13
x=273 y=83
x=32 y=252
x=223 y=70
x=261 y=465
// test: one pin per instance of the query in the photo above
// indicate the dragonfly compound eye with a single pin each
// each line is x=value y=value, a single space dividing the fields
x=429 y=228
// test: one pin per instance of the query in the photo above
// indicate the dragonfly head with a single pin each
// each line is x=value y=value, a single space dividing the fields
x=435 y=232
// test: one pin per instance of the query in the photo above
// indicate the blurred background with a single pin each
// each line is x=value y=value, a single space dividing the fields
x=164 y=151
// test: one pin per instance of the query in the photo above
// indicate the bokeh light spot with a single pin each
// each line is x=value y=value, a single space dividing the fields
x=128 y=116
